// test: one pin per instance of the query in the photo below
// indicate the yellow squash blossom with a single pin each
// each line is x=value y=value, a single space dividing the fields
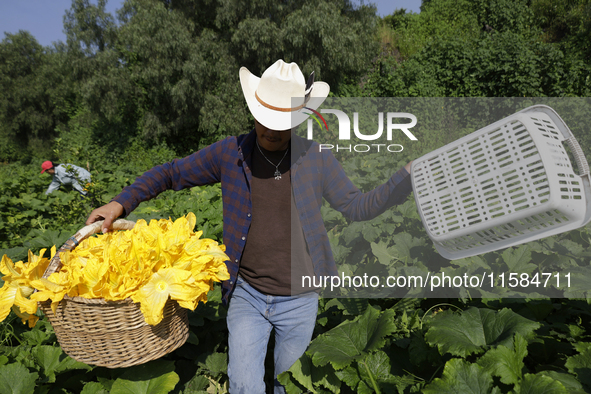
x=150 y=263
x=17 y=284
x=169 y=282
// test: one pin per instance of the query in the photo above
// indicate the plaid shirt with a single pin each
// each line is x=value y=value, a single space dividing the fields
x=314 y=175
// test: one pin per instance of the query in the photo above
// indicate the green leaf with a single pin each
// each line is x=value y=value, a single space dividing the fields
x=475 y=329
x=580 y=364
x=349 y=306
x=325 y=376
x=68 y=364
x=350 y=376
x=53 y=360
x=420 y=352
x=460 y=376
x=215 y=363
x=16 y=379
x=506 y=363
x=193 y=339
x=384 y=254
x=370 y=233
x=403 y=243
x=301 y=371
x=472 y=263
x=196 y=385
x=519 y=260
x=539 y=384
x=48 y=357
x=380 y=367
x=569 y=381
x=378 y=364
x=155 y=377
x=351 y=340
x=36 y=337
x=94 y=388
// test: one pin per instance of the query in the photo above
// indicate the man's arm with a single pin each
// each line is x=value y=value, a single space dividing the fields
x=346 y=198
x=200 y=168
x=53 y=186
x=108 y=212
x=76 y=185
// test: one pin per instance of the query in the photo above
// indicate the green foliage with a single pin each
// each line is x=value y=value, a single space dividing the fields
x=121 y=98
x=16 y=379
x=440 y=20
x=32 y=85
x=567 y=23
x=460 y=376
x=474 y=330
x=151 y=378
x=88 y=27
x=484 y=48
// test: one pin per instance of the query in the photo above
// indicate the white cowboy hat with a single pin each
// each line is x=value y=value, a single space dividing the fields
x=280 y=98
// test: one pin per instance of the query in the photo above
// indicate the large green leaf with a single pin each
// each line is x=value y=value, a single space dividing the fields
x=48 y=357
x=349 y=375
x=519 y=260
x=460 y=376
x=379 y=364
x=94 y=388
x=539 y=384
x=580 y=364
x=325 y=376
x=384 y=254
x=215 y=363
x=404 y=242
x=352 y=340
x=53 y=361
x=155 y=377
x=349 y=306
x=506 y=363
x=16 y=379
x=301 y=371
x=569 y=381
x=476 y=329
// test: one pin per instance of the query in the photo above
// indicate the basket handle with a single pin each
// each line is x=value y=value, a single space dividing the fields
x=577 y=152
x=55 y=264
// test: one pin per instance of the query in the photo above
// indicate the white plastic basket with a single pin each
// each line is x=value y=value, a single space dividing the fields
x=506 y=184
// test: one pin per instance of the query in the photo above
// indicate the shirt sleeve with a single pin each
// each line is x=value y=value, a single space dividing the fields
x=345 y=197
x=200 y=168
x=78 y=188
x=53 y=186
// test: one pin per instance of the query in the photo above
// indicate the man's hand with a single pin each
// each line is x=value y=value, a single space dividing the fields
x=109 y=212
x=407 y=166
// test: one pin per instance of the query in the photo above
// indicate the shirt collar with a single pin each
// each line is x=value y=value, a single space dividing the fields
x=299 y=145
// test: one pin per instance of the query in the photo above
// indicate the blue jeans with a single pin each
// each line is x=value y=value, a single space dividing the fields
x=251 y=318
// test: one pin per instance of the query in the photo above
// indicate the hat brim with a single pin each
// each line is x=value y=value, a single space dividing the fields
x=279 y=120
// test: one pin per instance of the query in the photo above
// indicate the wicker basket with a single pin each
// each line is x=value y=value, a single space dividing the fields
x=112 y=334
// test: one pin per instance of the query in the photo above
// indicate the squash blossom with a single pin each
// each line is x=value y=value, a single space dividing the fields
x=17 y=288
x=149 y=264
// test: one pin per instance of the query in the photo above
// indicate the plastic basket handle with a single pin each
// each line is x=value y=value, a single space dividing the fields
x=577 y=152
x=85 y=232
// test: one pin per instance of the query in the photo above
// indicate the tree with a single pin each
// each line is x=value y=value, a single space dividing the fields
x=173 y=69
x=89 y=28
x=30 y=78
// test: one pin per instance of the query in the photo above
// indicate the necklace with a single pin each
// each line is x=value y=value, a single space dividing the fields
x=277 y=173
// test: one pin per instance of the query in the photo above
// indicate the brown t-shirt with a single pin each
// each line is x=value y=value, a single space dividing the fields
x=267 y=259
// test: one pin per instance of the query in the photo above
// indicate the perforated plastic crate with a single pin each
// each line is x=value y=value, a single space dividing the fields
x=506 y=184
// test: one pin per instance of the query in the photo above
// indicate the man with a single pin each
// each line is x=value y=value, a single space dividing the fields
x=65 y=174
x=258 y=181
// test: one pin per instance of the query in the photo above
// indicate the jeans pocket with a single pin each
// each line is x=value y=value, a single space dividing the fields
x=239 y=280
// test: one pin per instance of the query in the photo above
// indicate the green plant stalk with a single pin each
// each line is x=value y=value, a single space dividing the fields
x=373 y=381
